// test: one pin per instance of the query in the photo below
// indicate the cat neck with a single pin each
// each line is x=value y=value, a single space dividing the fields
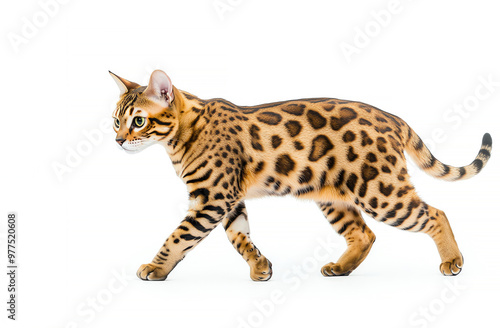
x=188 y=109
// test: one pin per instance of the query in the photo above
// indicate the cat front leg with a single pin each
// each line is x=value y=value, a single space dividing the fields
x=204 y=215
x=238 y=232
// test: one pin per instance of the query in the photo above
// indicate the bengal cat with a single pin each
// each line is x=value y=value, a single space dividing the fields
x=346 y=156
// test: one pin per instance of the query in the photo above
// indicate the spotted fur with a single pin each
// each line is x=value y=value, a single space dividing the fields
x=347 y=156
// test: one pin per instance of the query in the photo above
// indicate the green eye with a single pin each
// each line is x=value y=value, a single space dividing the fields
x=117 y=123
x=139 y=121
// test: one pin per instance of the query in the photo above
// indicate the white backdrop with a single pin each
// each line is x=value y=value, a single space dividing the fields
x=90 y=214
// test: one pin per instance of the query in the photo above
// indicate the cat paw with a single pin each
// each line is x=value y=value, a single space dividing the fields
x=262 y=270
x=333 y=270
x=151 y=271
x=452 y=267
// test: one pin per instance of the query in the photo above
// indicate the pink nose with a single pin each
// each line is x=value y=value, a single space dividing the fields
x=120 y=141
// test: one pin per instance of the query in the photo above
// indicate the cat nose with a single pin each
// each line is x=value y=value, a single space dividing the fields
x=120 y=141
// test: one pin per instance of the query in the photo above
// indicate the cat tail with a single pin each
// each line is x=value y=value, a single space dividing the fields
x=419 y=152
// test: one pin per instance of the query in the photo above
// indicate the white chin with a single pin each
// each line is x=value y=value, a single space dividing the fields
x=134 y=148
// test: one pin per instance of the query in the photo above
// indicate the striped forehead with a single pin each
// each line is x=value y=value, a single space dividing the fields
x=126 y=105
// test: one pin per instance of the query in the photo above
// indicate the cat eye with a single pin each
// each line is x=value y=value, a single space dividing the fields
x=139 y=121
x=117 y=123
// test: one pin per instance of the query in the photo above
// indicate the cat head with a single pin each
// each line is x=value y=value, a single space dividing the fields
x=145 y=115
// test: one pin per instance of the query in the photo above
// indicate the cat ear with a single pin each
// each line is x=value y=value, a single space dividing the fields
x=124 y=85
x=160 y=88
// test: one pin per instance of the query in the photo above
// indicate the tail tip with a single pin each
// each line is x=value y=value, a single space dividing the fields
x=487 y=141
